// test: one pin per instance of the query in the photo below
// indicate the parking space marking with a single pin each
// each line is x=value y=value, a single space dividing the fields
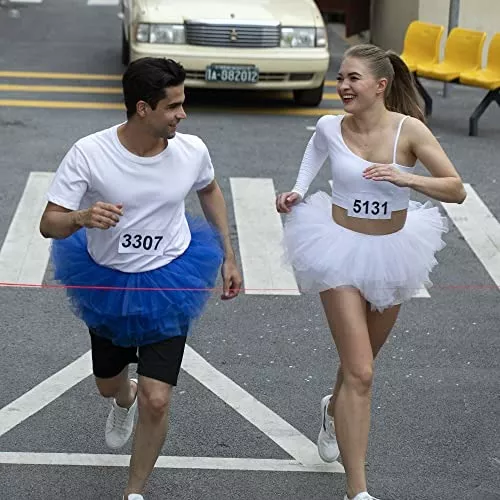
x=293 y=442
x=480 y=229
x=44 y=393
x=167 y=462
x=289 y=111
x=25 y=253
x=260 y=233
x=25 y=1
x=69 y=89
x=282 y=101
x=273 y=426
x=104 y=3
x=49 y=75
x=19 y=103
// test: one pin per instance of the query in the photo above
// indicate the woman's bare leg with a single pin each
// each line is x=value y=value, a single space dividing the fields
x=379 y=328
x=346 y=313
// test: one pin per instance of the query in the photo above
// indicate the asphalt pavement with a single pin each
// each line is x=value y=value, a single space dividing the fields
x=436 y=406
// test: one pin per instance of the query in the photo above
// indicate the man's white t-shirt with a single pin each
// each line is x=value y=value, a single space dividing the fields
x=153 y=230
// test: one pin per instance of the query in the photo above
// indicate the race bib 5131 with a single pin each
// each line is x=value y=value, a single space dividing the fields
x=369 y=206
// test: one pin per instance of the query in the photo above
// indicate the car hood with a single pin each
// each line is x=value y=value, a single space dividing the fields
x=287 y=12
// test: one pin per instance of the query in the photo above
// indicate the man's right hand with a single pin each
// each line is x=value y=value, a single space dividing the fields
x=100 y=215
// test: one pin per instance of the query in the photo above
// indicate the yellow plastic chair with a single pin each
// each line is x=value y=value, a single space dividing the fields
x=487 y=78
x=421 y=44
x=463 y=52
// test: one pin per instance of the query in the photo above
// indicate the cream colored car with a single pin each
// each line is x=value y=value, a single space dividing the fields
x=244 y=44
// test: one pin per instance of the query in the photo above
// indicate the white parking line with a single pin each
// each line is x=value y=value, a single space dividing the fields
x=25 y=253
x=480 y=229
x=106 y=3
x=260 y=233
x=89 y=460
x=281 y=432
x=44 y=393
x=25 y=1
x=268 y=422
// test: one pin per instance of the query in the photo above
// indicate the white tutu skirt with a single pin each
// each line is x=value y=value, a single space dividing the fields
x=386 y=269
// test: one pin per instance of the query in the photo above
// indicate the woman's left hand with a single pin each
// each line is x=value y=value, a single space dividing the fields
x=387 y=173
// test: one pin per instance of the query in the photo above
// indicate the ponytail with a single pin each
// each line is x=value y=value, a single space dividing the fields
x=402 y=94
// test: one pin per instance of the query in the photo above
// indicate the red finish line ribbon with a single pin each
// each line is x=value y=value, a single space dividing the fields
x=5 y=284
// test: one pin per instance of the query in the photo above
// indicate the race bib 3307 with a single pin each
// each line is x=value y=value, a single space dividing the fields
x=144 y=241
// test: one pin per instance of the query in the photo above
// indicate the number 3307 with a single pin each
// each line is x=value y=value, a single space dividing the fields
x=139 y=241
x=369 y=207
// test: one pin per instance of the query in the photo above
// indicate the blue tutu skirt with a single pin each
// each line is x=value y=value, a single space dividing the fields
x=141 y=308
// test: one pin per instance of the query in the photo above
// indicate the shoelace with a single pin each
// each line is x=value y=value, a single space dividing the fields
x=330 y=429
x=328 y=425
x=119 y=418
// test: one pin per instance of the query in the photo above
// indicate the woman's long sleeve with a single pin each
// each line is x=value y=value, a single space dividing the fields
x=314 y=156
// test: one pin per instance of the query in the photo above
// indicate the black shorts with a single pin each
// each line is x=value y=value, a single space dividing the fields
x=160 y=361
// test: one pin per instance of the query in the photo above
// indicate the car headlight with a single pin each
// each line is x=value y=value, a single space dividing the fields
x=160 y=33
x=321 y=37
x=303 y=37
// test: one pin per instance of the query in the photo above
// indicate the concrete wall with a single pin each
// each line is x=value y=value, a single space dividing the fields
x=481 y=15
x=390 y=18
x=436 y=11
x=389 y=21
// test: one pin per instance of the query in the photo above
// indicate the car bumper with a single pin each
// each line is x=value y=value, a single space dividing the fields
x=285 y=69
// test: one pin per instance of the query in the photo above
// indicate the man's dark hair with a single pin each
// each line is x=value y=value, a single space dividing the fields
x=146 y=80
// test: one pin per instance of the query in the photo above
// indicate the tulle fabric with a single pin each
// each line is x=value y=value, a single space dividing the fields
x=168 y=300
x=386 y=269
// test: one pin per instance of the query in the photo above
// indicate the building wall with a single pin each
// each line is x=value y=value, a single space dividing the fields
x=481 y=15
x=389 y=21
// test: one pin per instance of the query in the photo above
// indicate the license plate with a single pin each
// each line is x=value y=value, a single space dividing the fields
x=232 y=74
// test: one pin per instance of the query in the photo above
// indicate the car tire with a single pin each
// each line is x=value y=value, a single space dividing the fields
x=125 y=49
x=308 y=97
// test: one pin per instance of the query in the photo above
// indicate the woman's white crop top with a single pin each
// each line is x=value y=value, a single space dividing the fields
x=348 y=184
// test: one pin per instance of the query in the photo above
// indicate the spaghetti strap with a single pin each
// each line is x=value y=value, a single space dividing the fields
x=397 y=139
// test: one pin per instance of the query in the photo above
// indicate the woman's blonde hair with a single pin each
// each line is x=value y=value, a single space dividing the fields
x=401 y=94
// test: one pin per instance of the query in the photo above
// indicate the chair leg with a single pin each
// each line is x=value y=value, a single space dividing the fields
x=492 y=95
x=425 y=95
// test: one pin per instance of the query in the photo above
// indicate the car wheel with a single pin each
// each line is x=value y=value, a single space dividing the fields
x=308 y=97
x=125 y=49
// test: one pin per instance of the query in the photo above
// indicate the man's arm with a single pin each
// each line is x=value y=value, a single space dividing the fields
x=58 y=222
x=214 y=207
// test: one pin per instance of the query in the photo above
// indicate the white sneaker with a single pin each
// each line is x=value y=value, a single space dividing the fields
x=328 y=448
x=120 y=424
x=134 y=496
x=361 y=496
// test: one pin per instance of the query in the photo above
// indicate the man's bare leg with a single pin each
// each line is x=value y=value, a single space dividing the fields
x=151 y=430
